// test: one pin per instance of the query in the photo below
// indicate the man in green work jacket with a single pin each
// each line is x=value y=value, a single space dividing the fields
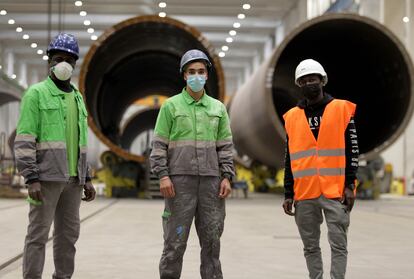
x=192 y=156
x=50 y=149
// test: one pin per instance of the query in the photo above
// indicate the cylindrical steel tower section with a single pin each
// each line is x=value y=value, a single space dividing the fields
x=365 y=63
x=138 y=123
x=134 y=59
x=8 y=94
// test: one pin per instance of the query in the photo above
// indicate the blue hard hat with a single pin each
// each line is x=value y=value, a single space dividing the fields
x=64 y=42
x=193 y=55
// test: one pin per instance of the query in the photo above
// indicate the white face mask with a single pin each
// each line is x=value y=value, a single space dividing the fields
x=63 y=71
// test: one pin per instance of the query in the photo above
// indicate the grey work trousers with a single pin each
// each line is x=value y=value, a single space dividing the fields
x=195 y=197
x=308 y=218
x=61 y=202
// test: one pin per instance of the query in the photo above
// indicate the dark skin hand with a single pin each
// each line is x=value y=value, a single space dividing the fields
x=89 y=192
x=349 y=198
x=34 y=191
x=287 y=207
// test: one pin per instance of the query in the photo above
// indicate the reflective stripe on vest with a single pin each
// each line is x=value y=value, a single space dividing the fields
x=322 y=171
x=321 y=152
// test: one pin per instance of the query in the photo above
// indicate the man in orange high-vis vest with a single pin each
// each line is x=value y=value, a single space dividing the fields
x=320 y=168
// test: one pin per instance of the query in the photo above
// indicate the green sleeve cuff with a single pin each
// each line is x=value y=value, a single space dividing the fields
x=162 y=174
x=227 y=175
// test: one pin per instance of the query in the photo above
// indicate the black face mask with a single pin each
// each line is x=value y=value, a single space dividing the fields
x=311 y=91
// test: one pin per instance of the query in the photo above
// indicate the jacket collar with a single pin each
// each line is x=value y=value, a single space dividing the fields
x=189 y=100
x=55 y=90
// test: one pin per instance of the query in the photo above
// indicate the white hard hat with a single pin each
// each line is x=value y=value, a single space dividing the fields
x=308 y=67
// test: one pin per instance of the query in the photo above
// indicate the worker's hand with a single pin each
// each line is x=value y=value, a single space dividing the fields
x=34 y=191
x=287 y=206
x=349 y=198
x=167 y=187
x=89 y=192
x=225 y=188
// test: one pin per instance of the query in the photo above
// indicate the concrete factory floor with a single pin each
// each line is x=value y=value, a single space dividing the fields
x=124 y=240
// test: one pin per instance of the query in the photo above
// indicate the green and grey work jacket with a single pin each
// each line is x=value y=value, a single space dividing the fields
x=40 y=144
x=192 y=138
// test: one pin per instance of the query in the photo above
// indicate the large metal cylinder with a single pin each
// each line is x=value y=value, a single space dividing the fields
x=134 y=59
x=9 y=92
x=365 y=63
x=141 y=121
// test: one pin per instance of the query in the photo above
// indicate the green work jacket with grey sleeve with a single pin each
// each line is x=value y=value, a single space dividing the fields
x=40 y=144
x=192 y=138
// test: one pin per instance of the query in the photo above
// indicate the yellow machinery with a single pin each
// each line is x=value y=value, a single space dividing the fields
x=121 y=177
x=244 y=174
x=398 y=187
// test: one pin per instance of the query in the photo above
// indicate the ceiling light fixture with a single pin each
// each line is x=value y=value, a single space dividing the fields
x=236 y=25
x=246 y=6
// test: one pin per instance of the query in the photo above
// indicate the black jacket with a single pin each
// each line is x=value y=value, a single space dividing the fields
x=314 y=115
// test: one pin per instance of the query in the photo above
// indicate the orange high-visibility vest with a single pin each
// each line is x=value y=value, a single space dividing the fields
x=318 y=166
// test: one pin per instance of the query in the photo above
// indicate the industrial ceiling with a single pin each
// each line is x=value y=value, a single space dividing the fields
x=254 y=23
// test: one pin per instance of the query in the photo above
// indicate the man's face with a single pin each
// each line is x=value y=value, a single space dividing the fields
x=61 y=56
x=196 y=68
x=309 y=79
x=311 y=86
